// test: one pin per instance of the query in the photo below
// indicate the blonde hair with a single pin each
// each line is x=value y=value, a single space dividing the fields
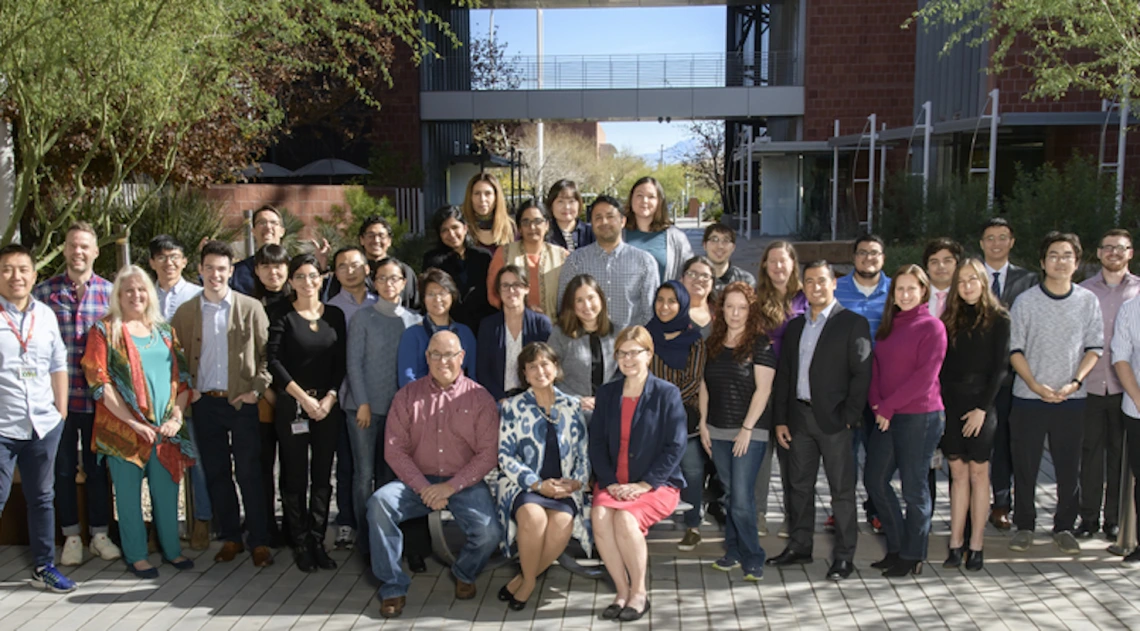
x=114 y=317
x=637 y=334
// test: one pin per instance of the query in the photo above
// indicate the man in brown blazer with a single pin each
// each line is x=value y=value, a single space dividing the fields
x=224 y=334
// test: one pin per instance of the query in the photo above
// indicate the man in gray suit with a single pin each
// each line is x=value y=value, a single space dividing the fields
x=1007 y=281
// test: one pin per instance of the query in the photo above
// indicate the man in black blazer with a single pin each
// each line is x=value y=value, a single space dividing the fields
x=1007 y=281
x=820 y=391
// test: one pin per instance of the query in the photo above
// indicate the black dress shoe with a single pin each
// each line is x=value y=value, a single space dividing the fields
x=324 y=561
x=903 y=567
x=975 y=560
x=954 y=557
x=612 y=612
x=516 y=605
x=1111 y=532
x=887 y=561
x=505 y=594
x=840 y=570
x=788 y=557
x=629 y=614
x=1085 y=530
x=303 y=557
x=416 y=563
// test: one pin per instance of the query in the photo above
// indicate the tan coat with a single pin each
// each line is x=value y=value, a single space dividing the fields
x=248 y=333
x=550 y=263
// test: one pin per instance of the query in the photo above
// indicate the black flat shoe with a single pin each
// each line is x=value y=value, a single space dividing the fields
x=303 y=557
x=505 y=594
x=324 y=561
x=184 y=564
x=150 y=572
x=416 y=563
x=954 y=557
x=629 y=614
x=788 y=557
x=887 y=562
x=975 y=560
x=611 y=612
x=516 y=605
x=903 y=568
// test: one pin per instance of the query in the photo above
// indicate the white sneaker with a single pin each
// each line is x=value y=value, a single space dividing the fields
x=104 y=548
x=72 y=551
x=345 y=538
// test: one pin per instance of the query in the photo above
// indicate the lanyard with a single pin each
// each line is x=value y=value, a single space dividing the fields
x=24 y=342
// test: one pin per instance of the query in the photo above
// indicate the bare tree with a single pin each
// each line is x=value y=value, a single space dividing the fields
x=705 y=158
x=492 y=68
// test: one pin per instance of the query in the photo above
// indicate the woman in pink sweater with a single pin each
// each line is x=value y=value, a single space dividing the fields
x=909 y=418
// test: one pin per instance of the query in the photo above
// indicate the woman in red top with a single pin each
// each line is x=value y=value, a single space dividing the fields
x=637 y=438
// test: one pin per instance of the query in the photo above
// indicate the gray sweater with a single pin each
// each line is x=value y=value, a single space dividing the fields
x=577 y=363
x=373 y=338
x=1054 y=333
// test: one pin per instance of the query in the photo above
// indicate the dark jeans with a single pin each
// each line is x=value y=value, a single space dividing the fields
x=861 y=436
x=1029 y=424
x=1100 y=458
x=345 y=513
x=79 y=425
x=1001 y=464
x=268 y=433
x=693 y=468
x=1132 y=434
x=299 y=474
x=738 y=475
x=907 y=447
x=36 y=459
x=808 y=445
x=224 y=433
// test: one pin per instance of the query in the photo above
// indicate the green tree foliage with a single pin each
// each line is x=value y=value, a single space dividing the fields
x=1064 y=44
x=953 y=208
x=343 y=224
x=102 y=92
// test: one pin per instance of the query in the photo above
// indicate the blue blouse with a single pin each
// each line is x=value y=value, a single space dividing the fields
x=411 y=358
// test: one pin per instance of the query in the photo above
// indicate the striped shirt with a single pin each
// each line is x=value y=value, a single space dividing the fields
x=75 y=319
x=627 y=275
x=870 y=307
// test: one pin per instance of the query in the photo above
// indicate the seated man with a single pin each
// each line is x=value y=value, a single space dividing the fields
x=441 y=439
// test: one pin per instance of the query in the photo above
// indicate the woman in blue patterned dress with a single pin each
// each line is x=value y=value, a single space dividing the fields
x=542 y=472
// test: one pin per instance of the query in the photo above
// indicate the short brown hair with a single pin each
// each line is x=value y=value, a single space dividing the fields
x=81 y=226
x=637 y=334
x=1062 y=237
x=937 y=245
x=535 y=351
x=1116 y=232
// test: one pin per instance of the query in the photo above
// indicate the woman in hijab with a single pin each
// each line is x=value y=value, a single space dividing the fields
x=679 y=358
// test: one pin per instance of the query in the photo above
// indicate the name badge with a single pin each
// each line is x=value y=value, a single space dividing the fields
x=28 y=372
x=300 y=427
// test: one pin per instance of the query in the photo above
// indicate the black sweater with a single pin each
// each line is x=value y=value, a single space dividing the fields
x=316 y=360
x=976 y=363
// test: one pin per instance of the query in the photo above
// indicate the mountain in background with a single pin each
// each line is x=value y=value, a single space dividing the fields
x=673 y=154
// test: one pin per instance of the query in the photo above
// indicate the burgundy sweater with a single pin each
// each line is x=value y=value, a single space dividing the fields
x=905 y=367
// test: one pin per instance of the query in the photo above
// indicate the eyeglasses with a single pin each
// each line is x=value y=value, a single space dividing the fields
x=623 y=355
x=719 y=240
x=1061 y=258
x=311 y=277
x=971 y=280
x=698 y=276
x=168 y=258
x=443 y=357
x=532 y=223
x=1115 y=249
x=513 y=286
x=437 y=295
x=379 y=235
x=383 y=280
x=868 y=254
x=263 y=223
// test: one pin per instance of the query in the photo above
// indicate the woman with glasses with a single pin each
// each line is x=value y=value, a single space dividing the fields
x=466 y=263
x=503 y=335
x=306 y=351
x=697 y=277
x=907 y=402
x=637 y=440
x=542 y=261
x=440 y=294
x=735 y=419
x=140 y=382
x=485 y=212
x=649 y=228
x=565 y=202
x=977 y=360
x=584 y=339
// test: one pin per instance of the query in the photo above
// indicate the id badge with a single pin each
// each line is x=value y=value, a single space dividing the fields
x=27 y=373
x=300 y=427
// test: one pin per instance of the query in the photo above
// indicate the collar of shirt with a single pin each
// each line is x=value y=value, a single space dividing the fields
x=224 y=302
x=1001 y=272
x=10 y=306
x=823 y=315
x=438 y=389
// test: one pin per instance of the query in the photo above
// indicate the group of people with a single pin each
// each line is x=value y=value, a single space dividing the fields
x=547 y=379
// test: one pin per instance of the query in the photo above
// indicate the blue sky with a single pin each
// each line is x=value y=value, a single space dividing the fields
x=612 y=32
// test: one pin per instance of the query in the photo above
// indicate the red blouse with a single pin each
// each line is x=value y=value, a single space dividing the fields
x=628 y=405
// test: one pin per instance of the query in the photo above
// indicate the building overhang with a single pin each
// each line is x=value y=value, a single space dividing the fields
x=981 y=124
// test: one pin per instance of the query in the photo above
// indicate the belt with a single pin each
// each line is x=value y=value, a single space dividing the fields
x=217 y=394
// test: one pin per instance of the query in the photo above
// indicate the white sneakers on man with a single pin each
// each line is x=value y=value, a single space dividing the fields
x=104 y=548
x=72 y=551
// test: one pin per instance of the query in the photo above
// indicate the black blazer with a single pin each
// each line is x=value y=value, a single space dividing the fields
x=657 y=436
x=840 y=371
x=470 y=276
x=491 y=357
x=1017 y=280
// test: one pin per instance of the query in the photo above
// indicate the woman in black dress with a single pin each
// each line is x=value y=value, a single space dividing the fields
x=306 y=353
x=465 y=262
x=977 y=358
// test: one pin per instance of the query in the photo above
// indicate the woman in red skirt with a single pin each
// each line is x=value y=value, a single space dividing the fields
x=637 y=438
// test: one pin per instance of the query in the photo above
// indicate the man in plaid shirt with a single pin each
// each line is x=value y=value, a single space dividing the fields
x=79 y=298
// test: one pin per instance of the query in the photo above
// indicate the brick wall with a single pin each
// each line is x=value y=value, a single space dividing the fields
x=395 y=129
x=306 y=201
x=1016 y=81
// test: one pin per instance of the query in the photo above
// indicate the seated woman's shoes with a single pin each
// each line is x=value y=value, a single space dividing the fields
x=629 y=614
x=516 y=605
x=392 y=607
x=505 y=594
x=975 y=560
x=150 y=572
x=954 y=557
x=184 y=564
x=612 y=612
x=416 y=563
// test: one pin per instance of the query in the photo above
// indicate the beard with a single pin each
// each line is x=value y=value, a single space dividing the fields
x=867 y=275
x=1115 y=266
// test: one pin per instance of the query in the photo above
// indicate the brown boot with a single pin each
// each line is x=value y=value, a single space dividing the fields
x=464 y=591
x=999 y=517
x=200 y=534
x=392 y=607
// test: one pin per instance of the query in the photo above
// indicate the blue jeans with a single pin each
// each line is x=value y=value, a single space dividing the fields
x=75 y=438
x=202 y=509
x=693 y=468
x=741 y=540
x=36 y=457
x=907 y=446
x=369 y=470
x=396 y=502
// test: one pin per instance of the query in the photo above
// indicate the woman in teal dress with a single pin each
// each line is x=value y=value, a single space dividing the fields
x=140 y=382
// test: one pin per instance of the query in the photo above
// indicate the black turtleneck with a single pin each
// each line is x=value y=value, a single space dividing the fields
x=977 y=357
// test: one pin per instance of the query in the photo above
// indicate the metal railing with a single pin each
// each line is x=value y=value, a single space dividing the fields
x=648 y=71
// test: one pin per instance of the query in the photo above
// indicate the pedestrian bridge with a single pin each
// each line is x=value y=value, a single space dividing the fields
x=619 y=87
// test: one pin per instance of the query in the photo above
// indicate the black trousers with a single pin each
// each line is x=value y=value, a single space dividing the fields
x=1029 y=425
x=1001 y=463
x=1132 y=431
x=268 y=432
x=306 y=465
x=1100 y=459
x=808 y=445
x=222 y=433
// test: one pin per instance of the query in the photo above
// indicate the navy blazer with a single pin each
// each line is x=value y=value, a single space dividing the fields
x=491 y=356
x=657 y=435
x=583 y=233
